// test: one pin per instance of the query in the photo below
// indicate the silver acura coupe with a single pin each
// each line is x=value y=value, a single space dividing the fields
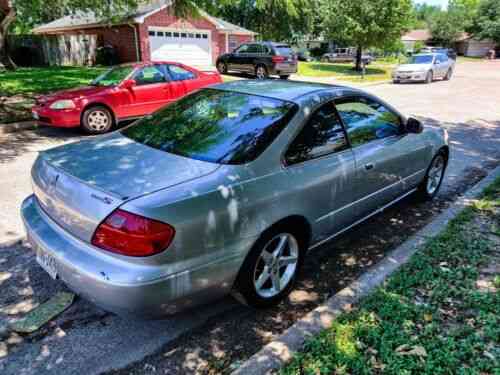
x=226 y=190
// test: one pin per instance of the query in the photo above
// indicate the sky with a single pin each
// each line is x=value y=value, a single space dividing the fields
x=441 y=3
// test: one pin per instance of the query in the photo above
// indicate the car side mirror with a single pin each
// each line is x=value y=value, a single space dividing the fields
x=129 y=83
x=414 y=126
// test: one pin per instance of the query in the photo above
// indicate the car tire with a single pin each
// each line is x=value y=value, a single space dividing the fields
x=429 y=77
x=222 y=67
x=448 y=75
x=430 y=185
x=97 y=120
x=284 y=77
x=261 y=72
x=395 y=81
x=262 y=282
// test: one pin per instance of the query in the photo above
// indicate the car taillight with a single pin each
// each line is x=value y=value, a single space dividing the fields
x=278 y=59
x=129 y=234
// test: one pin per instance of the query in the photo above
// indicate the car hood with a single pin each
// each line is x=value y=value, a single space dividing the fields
x=413 y=67
x=120 y=166
x=74 y=93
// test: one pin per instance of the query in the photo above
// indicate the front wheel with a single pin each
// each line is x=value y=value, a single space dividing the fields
x=448 y=75
x=429 y=78
x=97 y=120
x=222 y=67
x=270 y=270
x=433 y=179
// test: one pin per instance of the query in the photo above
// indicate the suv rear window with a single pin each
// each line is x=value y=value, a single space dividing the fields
x=283 y=50
x=214 y=125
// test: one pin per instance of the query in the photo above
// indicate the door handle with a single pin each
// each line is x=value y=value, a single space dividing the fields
x=369 y=166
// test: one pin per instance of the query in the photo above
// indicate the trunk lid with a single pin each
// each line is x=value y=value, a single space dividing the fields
x=80 y=184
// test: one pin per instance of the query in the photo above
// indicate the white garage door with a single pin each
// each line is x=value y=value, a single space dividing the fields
x=187 y=47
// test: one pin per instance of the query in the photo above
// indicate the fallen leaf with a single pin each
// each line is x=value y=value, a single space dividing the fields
x=428 y=317
x=415 y=350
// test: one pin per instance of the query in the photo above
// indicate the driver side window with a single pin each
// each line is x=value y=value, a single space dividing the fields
x=149 y=75
x=323 y=134
x=242 y=49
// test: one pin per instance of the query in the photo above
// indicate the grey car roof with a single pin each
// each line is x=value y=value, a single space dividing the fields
x=278 y=89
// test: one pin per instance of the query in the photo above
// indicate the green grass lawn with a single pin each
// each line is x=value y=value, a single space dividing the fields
x=374 y=72
x=440 y=314
x=33 y=81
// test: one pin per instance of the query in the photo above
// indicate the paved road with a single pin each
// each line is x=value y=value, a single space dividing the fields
x=87 y=340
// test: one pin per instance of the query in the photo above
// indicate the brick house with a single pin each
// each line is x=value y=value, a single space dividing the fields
x=153 y=33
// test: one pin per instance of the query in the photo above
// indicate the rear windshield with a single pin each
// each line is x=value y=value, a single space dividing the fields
x=283 y=50
x=215 y=126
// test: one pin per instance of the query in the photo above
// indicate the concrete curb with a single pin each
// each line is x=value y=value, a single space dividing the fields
x=277 y=353
x=13 y=242
x=17 y=127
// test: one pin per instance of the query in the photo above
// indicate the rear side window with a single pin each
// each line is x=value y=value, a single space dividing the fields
x=149 y=75
x=367 y=120
x=283 y=50
x=216 y=126
x=177 y=73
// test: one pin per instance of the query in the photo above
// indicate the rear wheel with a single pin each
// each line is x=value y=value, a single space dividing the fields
x=429 y=78
x=433 y=179
x=285 y=76
x=97 y=120
x=222 y=67
x=270 y=270
x=261 y=72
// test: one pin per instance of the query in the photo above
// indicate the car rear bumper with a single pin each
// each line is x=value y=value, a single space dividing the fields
x=88 y=271
x=284 y=69
x=57 y=118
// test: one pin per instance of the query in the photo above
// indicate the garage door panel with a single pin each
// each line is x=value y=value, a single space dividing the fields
x=191 y=48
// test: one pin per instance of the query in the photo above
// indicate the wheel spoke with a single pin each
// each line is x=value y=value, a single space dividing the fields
x=281 y=246
x=285 y=261
x=264 y=276
x=275 y=278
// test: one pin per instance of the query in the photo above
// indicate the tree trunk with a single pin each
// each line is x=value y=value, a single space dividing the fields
x=359 y=56
x=5 y=60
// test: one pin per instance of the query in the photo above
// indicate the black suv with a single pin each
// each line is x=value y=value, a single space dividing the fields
x=261 y=59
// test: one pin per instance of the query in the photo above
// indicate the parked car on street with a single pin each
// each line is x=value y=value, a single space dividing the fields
x=261 y=59
x=225 y=190
x=424 y=68
x=345 y=55
x=304 y=56
x=122 y=93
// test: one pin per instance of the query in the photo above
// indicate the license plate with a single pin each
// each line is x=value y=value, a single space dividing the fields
x=36 y=116
x=44 y=259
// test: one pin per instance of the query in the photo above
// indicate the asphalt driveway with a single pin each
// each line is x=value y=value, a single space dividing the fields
x=87 y=340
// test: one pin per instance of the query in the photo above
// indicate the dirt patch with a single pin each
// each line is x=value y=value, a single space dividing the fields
x=226 y=341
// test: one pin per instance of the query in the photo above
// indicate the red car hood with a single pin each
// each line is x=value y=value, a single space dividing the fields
x=73 y=93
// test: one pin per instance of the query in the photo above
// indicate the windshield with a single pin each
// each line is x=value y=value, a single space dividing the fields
x=283 y=50
x=215 y=126
x=421 y=59
x=113 y=76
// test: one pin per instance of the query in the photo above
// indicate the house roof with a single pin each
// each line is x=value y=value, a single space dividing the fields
x=83 y=20
x=417 y=35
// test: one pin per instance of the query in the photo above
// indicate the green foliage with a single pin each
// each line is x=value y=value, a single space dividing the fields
x=428 y=318
x=487 y=22
x=365 y=24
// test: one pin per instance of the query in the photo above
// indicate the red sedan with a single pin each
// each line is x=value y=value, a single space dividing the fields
x=122 y=93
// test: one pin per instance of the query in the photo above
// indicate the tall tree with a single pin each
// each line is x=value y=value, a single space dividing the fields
x=488 y=20
x=30 y=12
x=365 y=24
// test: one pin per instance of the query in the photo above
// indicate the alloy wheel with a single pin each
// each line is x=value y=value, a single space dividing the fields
x=435 y=174
x=276 y=265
